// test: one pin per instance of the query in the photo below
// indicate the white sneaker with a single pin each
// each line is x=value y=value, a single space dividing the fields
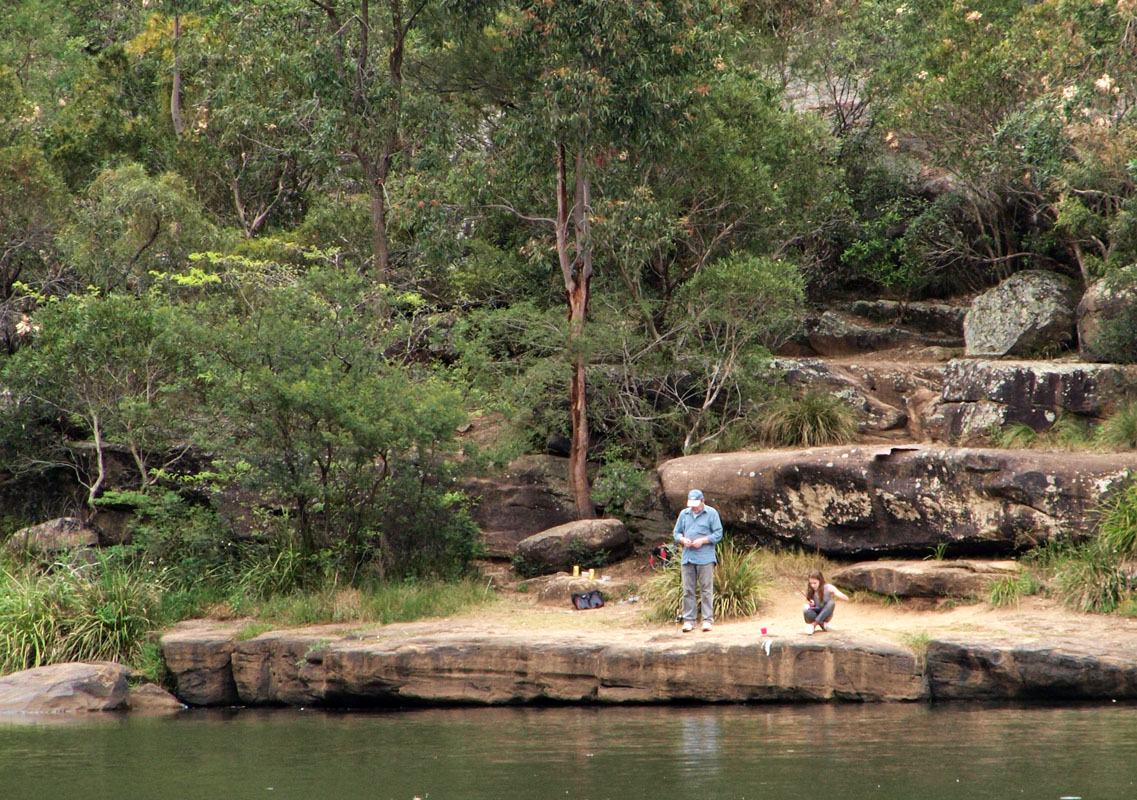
x=688 y=627
x=706 y=626
x=809 y=630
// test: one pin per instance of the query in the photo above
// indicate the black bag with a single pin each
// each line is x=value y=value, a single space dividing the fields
x=582 y=601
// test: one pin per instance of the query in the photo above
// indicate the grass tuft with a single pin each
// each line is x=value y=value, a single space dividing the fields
x=742 y=582
x=813 y=419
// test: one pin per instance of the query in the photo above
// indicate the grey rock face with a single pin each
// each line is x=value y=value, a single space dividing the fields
x=979 y=394
x=554 y=550
x=1102 y=303
x=855 y=502
x=1028 y=311
x=833 y=333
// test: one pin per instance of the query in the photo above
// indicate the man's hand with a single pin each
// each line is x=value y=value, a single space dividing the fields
x=697 y=543
x=683 y=540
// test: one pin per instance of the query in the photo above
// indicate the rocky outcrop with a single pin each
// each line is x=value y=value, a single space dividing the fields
x=979 y=394
x=66 y=688
x=327 y=668
x=856 y=502
x=307 y=669
x=1028 y=312
x=557 y=549
x=880 y=391
x=956 y=578
x=1050 y=669
x=834 y=333
x=531 y=496
x=199 y=656
x=1104 y=304
x=941 y=319
x=53 y=538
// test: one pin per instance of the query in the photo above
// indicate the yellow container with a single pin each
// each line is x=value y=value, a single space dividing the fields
x=592 y=574
x=576 y=570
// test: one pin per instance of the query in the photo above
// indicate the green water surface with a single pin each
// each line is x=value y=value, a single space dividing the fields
x=828 y=752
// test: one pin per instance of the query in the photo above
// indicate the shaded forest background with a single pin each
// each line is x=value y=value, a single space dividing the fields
x=275 y=254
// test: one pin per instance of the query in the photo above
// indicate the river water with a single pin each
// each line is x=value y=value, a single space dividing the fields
x=828 y=752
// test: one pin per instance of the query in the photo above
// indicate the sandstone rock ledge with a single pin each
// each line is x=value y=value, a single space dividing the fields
x=322 y=667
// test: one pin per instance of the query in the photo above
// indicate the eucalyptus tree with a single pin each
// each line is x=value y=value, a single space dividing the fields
x=601 y=89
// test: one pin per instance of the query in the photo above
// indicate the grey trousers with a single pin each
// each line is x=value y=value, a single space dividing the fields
x=824 y=614
x=701 y=576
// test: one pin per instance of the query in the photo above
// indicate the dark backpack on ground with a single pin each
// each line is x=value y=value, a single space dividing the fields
x=582 y=601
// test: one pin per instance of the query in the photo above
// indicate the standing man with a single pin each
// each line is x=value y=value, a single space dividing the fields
x=698 y=530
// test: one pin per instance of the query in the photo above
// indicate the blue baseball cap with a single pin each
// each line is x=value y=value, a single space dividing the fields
x=694 y=497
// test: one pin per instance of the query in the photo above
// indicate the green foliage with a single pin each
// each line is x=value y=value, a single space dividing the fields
x=1117 y=527
x=134 y=224
x=1010 y=589
x=813 y=419
x=1119 y=430
x=113 y=369
x=742 y=581
x=101 y=612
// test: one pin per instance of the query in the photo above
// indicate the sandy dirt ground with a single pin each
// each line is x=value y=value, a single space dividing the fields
x=861 y=618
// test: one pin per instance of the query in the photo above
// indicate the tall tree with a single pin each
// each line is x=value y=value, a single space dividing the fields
x=603 y=87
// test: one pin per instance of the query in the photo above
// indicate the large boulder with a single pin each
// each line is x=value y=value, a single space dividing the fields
x=63 y=688
x=557 y=549
x=532 y=495
x=855 y=502
x=956 y=578
x=199 y=656
x=1030 y=311
x=54 y=537
x=980 y=394
x=1103 y=305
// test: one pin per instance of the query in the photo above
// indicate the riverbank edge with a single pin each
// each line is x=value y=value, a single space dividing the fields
x=330 y=667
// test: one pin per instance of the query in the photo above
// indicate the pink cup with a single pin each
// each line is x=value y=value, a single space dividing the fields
x=763 y=631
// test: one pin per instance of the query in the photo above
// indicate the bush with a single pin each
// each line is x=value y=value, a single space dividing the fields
x=741 y=584
x=102 y=612
x=813 y=419
x=1119 y=431
x=1117 y=528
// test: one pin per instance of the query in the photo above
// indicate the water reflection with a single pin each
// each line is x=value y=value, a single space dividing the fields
x=758 y=751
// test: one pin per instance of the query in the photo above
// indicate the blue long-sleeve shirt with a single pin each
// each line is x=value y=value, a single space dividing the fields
x=705 y=523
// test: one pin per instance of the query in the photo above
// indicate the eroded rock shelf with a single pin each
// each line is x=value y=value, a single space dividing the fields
x=322 y=667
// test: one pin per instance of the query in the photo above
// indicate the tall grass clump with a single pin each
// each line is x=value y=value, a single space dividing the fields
x=1095 y=576
x=98 y=612
x=742 y=582
x=815 y=418
x=1008 y=591
x=1119 y=430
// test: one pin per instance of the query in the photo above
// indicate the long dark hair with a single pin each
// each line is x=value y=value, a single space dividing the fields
x=818 y=595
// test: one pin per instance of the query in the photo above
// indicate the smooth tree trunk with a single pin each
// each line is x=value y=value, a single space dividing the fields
x=573 y=223
x=176 y=90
